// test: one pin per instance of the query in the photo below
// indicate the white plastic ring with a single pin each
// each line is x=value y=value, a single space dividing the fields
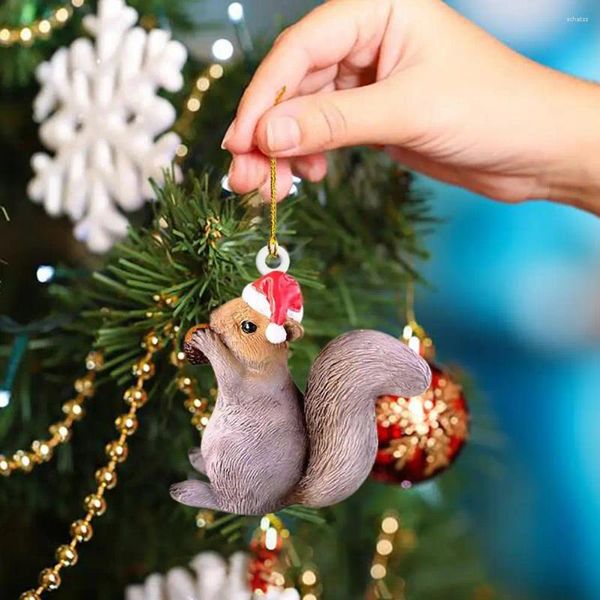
x=261 y=260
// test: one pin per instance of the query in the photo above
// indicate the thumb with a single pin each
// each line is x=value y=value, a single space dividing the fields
x=327 y=120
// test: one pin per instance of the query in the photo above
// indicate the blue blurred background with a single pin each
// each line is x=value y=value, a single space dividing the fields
x=516 y=301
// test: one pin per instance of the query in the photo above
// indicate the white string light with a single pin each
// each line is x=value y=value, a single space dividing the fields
x=4 y=398
x=45 y=273
x=235 y=12
x=222 y=49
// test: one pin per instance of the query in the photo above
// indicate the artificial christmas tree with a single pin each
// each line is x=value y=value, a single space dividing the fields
x=86 y=508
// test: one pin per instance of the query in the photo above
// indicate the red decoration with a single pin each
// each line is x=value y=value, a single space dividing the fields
x=420 y=436
x=278 y=296
x=265 y=557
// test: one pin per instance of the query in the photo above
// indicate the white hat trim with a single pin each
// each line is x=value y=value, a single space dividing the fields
x=276 y=334
x=296 y=314
x=256 y=300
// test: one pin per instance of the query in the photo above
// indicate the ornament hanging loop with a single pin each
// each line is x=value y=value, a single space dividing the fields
x=280 y=253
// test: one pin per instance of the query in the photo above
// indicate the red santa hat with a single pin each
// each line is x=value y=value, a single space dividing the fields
x=277 y=296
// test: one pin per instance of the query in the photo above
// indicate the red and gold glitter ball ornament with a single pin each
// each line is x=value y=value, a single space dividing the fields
x=421 y=436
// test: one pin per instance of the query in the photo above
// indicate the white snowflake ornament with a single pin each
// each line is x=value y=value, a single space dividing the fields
x=104 y=122
x=213 y=578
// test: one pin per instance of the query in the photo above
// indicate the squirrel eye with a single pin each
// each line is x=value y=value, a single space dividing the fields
x=248 y=327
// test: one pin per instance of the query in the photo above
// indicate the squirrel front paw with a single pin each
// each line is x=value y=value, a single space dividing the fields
x=193 y=342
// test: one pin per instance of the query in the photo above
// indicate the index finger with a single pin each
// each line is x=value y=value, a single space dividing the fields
x=321 y=39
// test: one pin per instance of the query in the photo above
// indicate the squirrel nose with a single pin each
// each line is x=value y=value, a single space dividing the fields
x=192 y=353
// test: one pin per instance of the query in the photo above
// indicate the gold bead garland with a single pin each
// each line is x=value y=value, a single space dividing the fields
x=26 y=35
x=198 y=405
x=42 y=450
x=81 y=530
x=392 y=537
x=200 y=408
x=309 y=584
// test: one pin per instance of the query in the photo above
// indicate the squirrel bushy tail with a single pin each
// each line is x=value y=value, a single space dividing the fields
x=344 y=383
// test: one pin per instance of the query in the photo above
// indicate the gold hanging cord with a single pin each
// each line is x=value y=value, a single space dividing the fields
x=273 y=237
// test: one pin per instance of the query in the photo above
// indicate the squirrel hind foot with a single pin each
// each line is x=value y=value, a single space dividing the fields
x=195 y=493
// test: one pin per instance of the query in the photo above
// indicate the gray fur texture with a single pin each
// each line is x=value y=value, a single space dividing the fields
x=265 y=447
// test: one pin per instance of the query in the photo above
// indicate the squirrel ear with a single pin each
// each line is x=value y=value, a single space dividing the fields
x=293 y=329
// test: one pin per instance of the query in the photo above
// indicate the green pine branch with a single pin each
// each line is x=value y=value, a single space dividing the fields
x=197 y=254
x=346 y=238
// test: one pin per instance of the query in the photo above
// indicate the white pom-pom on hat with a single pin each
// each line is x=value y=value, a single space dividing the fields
x=276 y=334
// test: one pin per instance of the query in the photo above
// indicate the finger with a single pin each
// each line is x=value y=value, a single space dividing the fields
x=320 y=40
x=251 y=171
x=248 y=172
x=319 y=81
x=311 y=124
x=312 y=167
x=349 y=76
x=283 y=184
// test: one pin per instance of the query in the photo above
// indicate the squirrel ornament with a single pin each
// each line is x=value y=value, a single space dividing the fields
x=266 y=445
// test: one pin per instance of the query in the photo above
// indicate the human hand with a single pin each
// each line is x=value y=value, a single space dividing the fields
x=434 y=90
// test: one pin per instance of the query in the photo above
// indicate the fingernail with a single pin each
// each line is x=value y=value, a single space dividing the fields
x=227 y=136
x=283 y=133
